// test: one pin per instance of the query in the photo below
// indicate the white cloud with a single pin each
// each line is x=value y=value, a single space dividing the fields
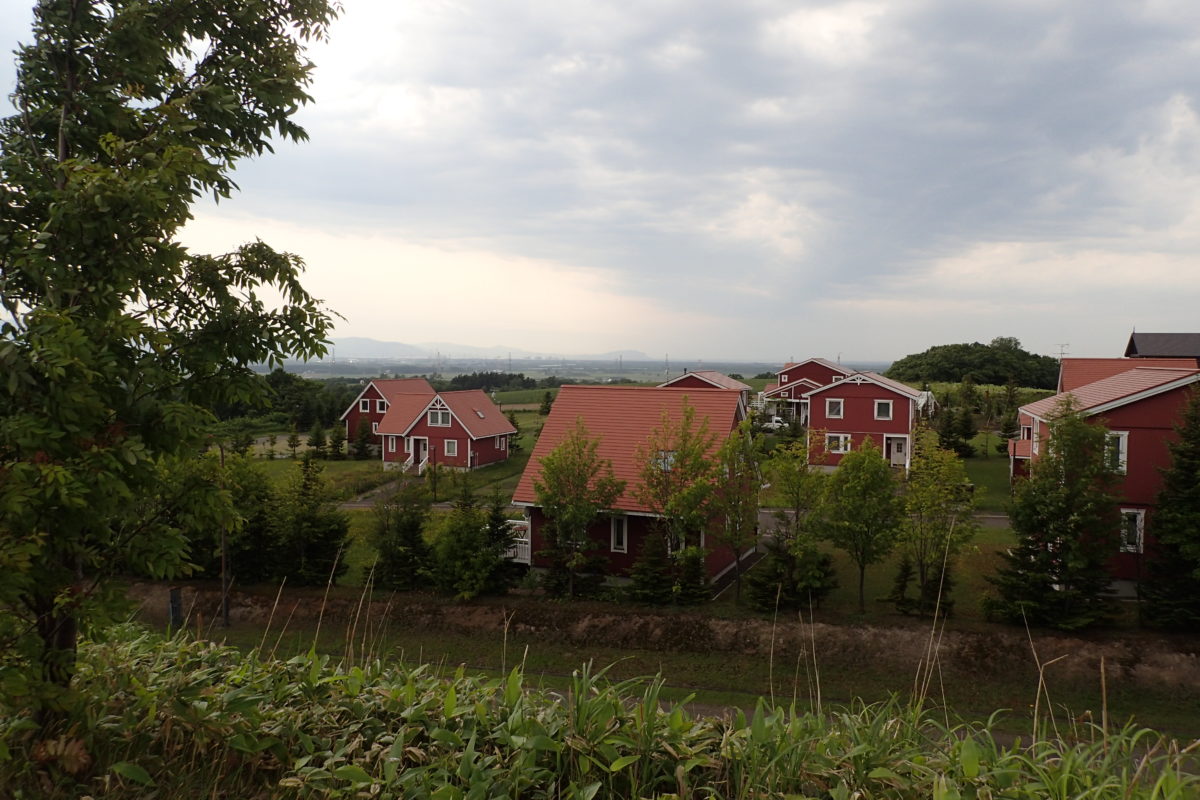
x=839 y=34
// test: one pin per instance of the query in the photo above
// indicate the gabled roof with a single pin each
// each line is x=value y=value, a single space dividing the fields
x=824 y=362
x=775 y=388
x=870 y=377
x=1163 y=345
x=1116 y=391
x=623 y=418
x=391 y=388
x=1076 y=372
x=473 y=409
x=403 y=411
x=719 y=380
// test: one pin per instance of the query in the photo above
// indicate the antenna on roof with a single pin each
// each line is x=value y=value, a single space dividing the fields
x=1062 y=349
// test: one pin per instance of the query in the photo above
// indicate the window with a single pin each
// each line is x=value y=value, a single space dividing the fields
x=837 y=442
x=407 y=445
x=374 y=427
x=1116 y=451
x=439 y=417
x=837 y=378
x=364 y=405
x=783 y=378
x=833 y=409
x=883 y=409
x=619 y=541
x=501 y=442
x=450 y=447
x=1036 y=440
x=1133 y=525
x=1026 y=432
x=391 y=444
x=381 y=406
x=666 y=460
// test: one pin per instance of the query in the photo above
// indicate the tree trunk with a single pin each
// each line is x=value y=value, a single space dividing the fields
x=862 y=597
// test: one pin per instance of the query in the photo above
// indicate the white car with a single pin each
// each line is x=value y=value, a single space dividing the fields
x=774 y=424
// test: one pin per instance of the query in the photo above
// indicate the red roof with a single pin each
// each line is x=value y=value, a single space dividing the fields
x=478 y=414
x=390 y=387
x=1127 y=387
x=623 y=418
x=403 y=411
x=1076 y=372
x=825 y=362
x=804 y=383
x=718 y=379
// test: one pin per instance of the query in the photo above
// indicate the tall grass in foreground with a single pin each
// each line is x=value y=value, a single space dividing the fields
x=182 y=718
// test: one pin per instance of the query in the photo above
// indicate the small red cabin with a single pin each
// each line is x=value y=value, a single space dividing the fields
x=863 y=404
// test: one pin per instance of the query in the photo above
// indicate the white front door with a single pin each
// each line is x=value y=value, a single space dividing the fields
x=896 y=447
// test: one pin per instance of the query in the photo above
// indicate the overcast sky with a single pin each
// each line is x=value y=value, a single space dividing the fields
x=741 y=180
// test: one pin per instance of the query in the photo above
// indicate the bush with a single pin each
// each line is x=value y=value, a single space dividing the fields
x=790 y=581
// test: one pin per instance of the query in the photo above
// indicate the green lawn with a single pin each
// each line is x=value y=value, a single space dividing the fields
x=990 y=476
x=522 y=396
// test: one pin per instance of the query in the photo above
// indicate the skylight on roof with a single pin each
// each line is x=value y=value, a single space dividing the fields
x=479 y=413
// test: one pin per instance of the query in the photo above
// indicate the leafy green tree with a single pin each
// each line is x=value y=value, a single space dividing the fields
x=993 y=363
x=1066 y=520
x=1009 y=430
x=576 y=488
x=547 y=401
x=735 y=499
x=470 y=553
x=317 y=443
x=861 y=511
x=310 y=532
x=114 y=338
x=337 y=443
x=938 y=523
x=405 y=558
x=363 y=439
x=293 y=442
x=652 y=577
x=965 y=432
x=1170 y=593
x=677 y=476
x=691 y=587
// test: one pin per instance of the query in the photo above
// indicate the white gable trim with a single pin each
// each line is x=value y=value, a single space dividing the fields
x=354 y=405
x=799 y=382
x=816 y=360
x=859 y=379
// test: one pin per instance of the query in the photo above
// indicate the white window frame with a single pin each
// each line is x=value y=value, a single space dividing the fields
x=1122 y=441
x=450 y=448
x=1138 y=545
x=844 y=441
x=364 y=405
x=783 y=378
x=502 y=442
x=436 y=414
x=841 y=407
x=666 y=460
x=619 y=523
x=407 y=444
x=1036 y=441
x=837 y=378
x=1026 y=431
x=374 y=427
x=381 y=406
x=879 y=403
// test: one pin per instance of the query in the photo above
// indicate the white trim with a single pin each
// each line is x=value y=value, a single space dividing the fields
x=364 y=405
x=1162 y=388
x=1139 y=544
x=845 y=443
x=407 y=444
x=374 y=427
x=841 y=409
x=862 y=377
x=442 y=413
x=817 y=360
x=1122 y=438
x=391 y=444
x=360 y=395
x=450 y=448
x=501 y=442
x=621 y=522
x=877 y=403
x=783 y=378
x=381 y=405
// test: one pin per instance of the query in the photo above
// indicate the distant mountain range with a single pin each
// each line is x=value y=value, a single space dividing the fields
x=359 y=347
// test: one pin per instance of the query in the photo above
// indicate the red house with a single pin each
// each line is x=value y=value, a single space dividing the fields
x=844 y=413
x=377 y=397
x=785 y=397
x=459 y=430
x=1140 y=408
x=708 y=379
x=623 y=419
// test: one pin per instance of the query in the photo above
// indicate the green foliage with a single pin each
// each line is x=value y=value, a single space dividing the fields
x=220 y=722
x=1009 y=430
x=691 y=583
x=735 y=497
x=1066 y=519
x=861 y=512
x=249 y=536
x=576 y=488
x=337 y=443
x=547 y=401
x=652 y=576
x=938 y=523
x=114 y=339
x=309 y=530
x=293 y=442
x=677 y=476
x=470 y=552
x=363 y=440
x=317 y=442
x=405 y=559
x=999 y=362
x=1170 y=593
x=790 y=578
